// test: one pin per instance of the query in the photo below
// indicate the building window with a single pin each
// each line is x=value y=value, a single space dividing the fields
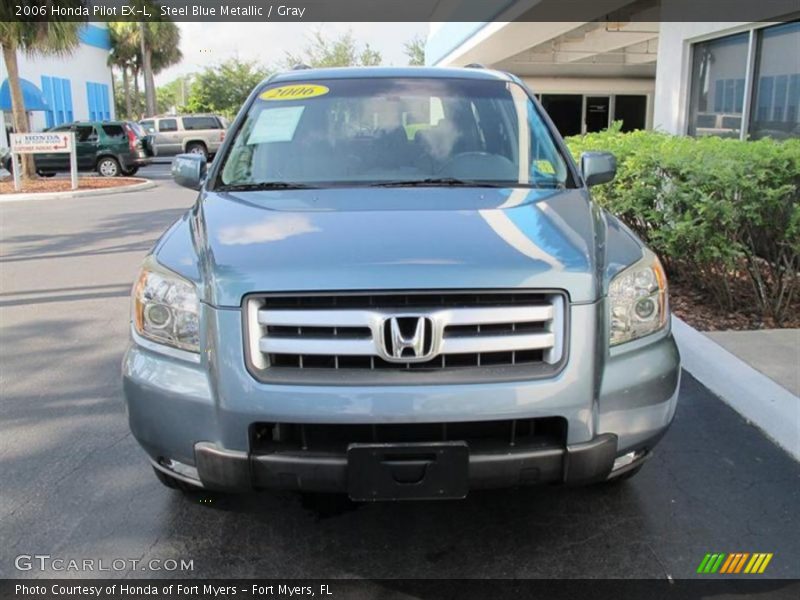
x=574 y=114
x=777 y=93
x=58 y=93
x=720 y=73
x=99 y=102
x=566 y=111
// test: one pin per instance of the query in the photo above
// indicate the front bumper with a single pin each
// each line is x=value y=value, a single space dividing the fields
x=219 y=469
x=199 y=414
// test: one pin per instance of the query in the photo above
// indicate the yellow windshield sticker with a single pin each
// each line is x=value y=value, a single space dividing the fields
x=295 y=92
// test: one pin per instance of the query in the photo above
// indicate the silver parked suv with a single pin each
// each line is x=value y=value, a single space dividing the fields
x=195 y=134
x=395 y=284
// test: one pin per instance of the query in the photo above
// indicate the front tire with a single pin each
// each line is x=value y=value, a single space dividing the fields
x=108 y=167
x=176 y=484
x=197 y=148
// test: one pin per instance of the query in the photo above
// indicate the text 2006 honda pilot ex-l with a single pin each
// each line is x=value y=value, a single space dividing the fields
x=394 y=284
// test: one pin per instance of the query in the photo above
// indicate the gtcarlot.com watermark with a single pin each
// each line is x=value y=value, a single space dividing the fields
x=46 y=562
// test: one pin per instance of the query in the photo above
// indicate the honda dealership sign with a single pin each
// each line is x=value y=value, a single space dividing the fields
x=44 y=143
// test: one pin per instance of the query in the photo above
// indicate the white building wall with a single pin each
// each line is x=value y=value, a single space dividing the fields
x=86 y=64
x=589 y=85
x=673 y=69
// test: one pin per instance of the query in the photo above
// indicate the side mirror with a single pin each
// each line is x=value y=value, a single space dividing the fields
x=598 y=167
x=189 y=170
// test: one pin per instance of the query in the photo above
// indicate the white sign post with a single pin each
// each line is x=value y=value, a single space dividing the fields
x=44 y=143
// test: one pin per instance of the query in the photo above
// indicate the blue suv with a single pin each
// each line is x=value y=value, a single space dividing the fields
x=394 y=284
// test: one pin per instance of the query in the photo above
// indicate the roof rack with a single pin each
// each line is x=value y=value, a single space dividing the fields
x=475 y=66
x=300 y=67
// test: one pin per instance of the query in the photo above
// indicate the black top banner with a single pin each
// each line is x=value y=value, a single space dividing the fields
x=400 y=10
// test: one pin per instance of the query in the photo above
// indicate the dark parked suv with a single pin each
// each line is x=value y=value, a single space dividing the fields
x=112 y=148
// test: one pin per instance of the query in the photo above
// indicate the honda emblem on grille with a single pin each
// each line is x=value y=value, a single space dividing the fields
x=408 y=338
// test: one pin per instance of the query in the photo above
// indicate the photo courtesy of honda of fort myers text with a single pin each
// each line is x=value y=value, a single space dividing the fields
x=369 y=299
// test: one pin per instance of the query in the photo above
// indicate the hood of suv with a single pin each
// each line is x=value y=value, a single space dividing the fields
x=395 y=239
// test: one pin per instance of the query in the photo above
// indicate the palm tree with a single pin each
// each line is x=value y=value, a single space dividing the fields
x=123 y=56
x=32 y=37
x=160 y=49
x=154 y=45
x=146 y=48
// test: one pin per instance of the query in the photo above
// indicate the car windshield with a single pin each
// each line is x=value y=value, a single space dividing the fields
x=394 y=132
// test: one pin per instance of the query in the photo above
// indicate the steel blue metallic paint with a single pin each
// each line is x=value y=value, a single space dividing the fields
x=358 y=238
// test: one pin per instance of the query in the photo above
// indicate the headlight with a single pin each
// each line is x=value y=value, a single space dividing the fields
x=165 y=308
x=637 y=299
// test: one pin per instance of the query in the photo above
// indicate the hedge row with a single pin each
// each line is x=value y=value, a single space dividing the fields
x=712 y=208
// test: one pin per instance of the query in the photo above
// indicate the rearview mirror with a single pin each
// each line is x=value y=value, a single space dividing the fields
x=598 y=167
x=189 y=170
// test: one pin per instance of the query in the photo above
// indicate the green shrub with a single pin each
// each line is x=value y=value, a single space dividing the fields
x=711 y=208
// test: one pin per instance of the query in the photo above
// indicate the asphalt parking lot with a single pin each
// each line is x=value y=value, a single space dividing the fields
x=76 y=485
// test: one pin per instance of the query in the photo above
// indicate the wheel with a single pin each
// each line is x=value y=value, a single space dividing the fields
x=197 y=148
x=130 y=172
x=176 y=484
x=108 y=166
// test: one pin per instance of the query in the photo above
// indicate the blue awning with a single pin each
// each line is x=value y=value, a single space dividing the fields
x=31 y=95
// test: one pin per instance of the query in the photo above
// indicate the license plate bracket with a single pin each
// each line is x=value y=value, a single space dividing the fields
x=408 y=471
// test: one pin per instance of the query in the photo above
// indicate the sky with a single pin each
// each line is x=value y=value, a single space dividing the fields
x=204 y=44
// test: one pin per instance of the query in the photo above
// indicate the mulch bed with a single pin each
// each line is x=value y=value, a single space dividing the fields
x=700 y=311
x=64 y=185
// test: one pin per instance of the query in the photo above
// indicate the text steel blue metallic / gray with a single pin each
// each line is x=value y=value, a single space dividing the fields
x=394 y=284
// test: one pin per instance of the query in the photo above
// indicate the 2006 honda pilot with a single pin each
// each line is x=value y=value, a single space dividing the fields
x=395 y=284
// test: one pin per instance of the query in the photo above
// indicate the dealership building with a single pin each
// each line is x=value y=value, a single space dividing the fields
x=59 y=89
x=628 y=61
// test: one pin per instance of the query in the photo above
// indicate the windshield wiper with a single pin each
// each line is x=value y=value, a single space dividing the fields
x=265 y=185
x=436 y=181
x=452 y=182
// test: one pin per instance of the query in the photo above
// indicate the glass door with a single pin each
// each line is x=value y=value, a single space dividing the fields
x=597 y=113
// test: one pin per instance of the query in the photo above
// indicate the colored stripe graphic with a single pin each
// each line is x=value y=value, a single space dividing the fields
x=710 y=563
x=740 y=564
x=703 y=563
x=755 y=562
x=735 y=563
x=717 y=563
x=727 y=564
x=765 y=563
x=733 y=560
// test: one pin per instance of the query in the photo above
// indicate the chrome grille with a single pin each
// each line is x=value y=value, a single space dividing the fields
x=351 y=332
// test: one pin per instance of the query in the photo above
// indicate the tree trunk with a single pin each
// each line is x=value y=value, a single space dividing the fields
x=21 y=124
x=149 y=84
x=147 y=71
x=126 y=90
x=114 y=95
x=136 y=92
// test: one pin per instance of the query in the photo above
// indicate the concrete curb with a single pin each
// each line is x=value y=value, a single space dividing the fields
x=767 y=405
x=138 y=187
